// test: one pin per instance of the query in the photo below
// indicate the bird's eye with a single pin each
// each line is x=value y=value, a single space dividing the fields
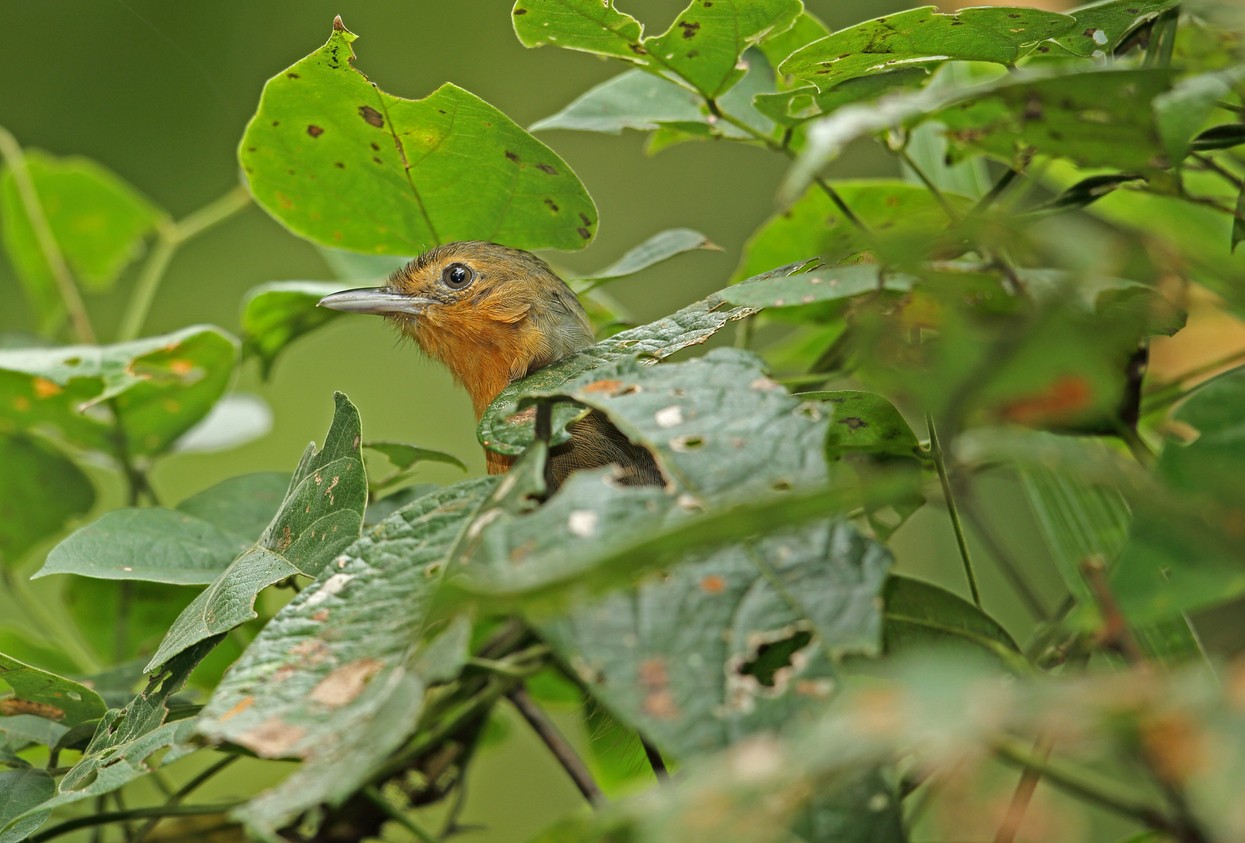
x=456 y=276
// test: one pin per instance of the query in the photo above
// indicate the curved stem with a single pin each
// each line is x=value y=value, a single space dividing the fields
x=558 y=746
x=948 y=494
x=11 y=153
x=92 y=820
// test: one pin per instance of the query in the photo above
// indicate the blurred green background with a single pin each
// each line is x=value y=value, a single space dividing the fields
x=160 y=93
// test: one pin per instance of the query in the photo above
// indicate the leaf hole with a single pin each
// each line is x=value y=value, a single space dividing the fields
x=772 y=657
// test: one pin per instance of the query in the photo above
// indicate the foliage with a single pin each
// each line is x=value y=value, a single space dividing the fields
x=743 y=619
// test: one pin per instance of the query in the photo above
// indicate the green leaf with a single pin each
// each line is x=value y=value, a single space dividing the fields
x=813 y=286
x=865 y=422
x=20 y=791
x=189 y=545
x=29 y=729
x=776 y=47
x=660 y=247
x=321 y=514
x=1101 y=27
x=795 y=106
x=814 y=227
x=920 y=615
x=507 y=431
x=359 y=268
x=337 y=679
x=702 y=47
x=97 y=221
x=993 y=34
x=44 y=694
x=235 y=420
x=1181 y=112
x=404 y=458
x=153 y=390
x=279 y=312
x=40 y=491
x=340 y=162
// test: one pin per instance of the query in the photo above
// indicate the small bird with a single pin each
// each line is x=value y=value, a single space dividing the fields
x=492 y=315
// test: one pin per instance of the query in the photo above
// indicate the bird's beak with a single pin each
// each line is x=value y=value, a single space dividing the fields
x=375 y=300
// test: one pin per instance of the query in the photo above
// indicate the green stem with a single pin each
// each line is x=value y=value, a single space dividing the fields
x=392 y=812
x=169 y=237
x=57 y=628
x=185 y=790
x=942 y=200
x=1172 y=392
x=15 y=159
x=92 y=820
x=940 y=462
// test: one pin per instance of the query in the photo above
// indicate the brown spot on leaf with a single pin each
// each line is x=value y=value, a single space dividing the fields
x=375 y=147
x=637 y=49
x=371 y=116
x=547 y=168
x=274 y=738
x=689 y=28
x=339 y=165
x=607 y=385
x=1063 y=399
x=314 y=130
x=584 y=233
x=13 y=706
x=293 y=76
x=513 y=156
x=522 y=417
x=345 y=683
x=854 y=422
x=712 y=584
x=519 y=11
x=553 y=206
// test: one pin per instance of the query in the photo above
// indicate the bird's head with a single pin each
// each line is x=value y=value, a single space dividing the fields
x=490 y=313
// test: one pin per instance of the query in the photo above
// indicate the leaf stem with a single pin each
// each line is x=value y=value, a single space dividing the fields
x=169 y=237
x=392 y=811
x=558 y=746
x=104 y=818
x=942 y=200
x=13 y=156
x=940 y=462
x=185 y=790
x=1023 y=794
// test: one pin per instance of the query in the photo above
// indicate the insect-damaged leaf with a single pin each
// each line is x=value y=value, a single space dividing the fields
x=342 y=163
x=337 y=678
x=44 y=694
x=730 y=640
x=321 y=514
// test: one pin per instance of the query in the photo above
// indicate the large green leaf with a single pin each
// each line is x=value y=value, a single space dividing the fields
x=920 y=615
x=817 y=285
x=46 y=695
x=147 y=392
x=40 y=490
x=337 y=678
x=342 y=163
x=279 y=312
x=731 y=640
x=505 y=430
x=701 y=48
x=321 y=514
x=21 y=790
x=1101 y=27
x=189 y=545
x=96 y=220
x=993 y=34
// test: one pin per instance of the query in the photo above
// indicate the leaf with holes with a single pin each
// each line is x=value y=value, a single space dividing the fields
x=1101 y=27
x=998 y=34
x=730 y=640
x=41 y=489
x=321 y=514
x=340 y=162
x=44 y=694
x=279 y=312
x=506 y=430
x=96 y=220
x=153 y=390
x=189 y=545
x=337 y=678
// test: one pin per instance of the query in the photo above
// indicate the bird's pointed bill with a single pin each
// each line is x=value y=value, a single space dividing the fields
x=375 y=300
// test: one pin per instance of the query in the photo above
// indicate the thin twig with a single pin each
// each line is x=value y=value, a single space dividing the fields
x=104 y=818
x=185 y=790
x=556 y=743
x=942 y=200
x=653 y=754
x=940 y=462
x=1116 y=631
x=392 y=812
x=1023 y=794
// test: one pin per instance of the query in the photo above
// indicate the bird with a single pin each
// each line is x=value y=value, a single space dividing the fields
x=492 y=315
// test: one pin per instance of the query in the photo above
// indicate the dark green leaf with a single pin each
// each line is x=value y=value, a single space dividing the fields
x=21 y=791
x=337 y=678
x=29 y=729
x=1220 y=137
x=153 y=389
x=920 y=615
x=1181 y=112
x=507 y=431
x=190 y=545
x=40 y=490
x=321 y=514
x=776 y=47
x=1101 y=27
x=342 y=163
x=43 y=694
x=97 y=220
x=279 y=312
x=993 y=34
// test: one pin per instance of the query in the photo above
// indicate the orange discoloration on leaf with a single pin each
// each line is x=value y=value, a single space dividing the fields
x=21 y=403
x=45 y=388
x=345 y=683
x=274 y=738
x=13 y=706
x=241 y=706
x=659 y=702
x=181 y=367
x=604 y=386
x=713 y=584
x=1175 y=746
x=1065 y=398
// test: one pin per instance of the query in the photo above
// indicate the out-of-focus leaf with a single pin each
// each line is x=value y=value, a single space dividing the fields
x=21 y=791
x=189 y=545
x=794 y=106
x=360 y=268
x=813 y=286
x=702 y=47
x=337 y=678
x=1220 y=137
x=865 y=423
x=27 y=728
x=43 y=694
x=806 y=29
x=507 y=431
x=342 y=163
x=279 y=312
x=920 y=615
x=153 y=389
x=993 y=34
x=1101 y=27
x=1181 y=112
x=661 y=246
x=236 y=419
x=321 y=514
x=40 y=490
x=97 y=220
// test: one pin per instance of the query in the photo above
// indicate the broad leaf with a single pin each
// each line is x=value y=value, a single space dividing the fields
x=44 y=694
x=342 y=163
x=661 y=246
x=40 y=490
x=97 y=221
x=20 y=791
x=279 y=312
x=1102 y=26
x=189 y=545
x=337 y=678
x=817 y=285
x=507 y=431
x=993 y=34
x=404 y=458
x=321 y=514
x=920 y=615
x=577 y=25
x=865 y=423
x=148 y=391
